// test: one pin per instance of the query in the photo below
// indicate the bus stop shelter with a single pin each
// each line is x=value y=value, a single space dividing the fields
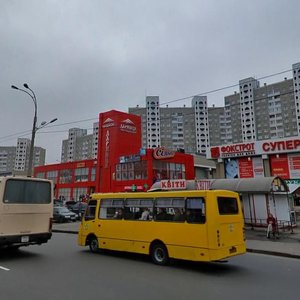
x=260 y=196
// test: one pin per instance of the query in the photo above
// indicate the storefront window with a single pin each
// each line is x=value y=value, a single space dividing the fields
x=64 y=194
x=79 y=193
x=163 y=170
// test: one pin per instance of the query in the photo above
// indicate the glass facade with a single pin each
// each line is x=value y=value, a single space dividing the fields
x=131 y=171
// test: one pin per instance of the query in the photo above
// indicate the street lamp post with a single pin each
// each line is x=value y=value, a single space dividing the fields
x=34 y=127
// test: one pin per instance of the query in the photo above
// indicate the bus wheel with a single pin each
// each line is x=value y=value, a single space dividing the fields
x=159 y=254
x=94 y=246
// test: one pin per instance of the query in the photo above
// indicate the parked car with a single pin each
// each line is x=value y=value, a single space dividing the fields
x=58 y=202
x=62 y=214
x=70 y=203
x=79 y=208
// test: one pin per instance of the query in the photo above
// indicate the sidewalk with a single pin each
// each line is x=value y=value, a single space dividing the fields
x=288 y=244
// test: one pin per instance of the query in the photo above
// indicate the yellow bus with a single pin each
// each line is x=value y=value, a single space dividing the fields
x=26 y=210
x=203 y=225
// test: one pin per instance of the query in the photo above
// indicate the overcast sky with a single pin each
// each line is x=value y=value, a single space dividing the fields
x=83 y=57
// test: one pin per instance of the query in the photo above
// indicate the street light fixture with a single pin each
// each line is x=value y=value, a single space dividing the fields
x=34 y=127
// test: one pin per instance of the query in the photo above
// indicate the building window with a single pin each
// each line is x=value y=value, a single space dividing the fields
x=131 y=171
x=81 y=174
x=52 y=175
x=40 y=175
x=65 y=176
x=93 y=174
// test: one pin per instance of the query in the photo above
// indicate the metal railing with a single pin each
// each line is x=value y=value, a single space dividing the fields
x=282 y=225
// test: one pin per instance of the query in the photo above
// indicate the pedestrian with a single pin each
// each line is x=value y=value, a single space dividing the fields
x=272 y=226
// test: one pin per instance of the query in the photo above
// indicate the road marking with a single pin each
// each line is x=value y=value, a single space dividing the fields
x=5 y=269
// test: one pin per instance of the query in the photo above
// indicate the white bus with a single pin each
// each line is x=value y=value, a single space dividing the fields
x=26 y=210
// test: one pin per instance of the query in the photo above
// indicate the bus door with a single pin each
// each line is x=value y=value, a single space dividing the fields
x=90 y=219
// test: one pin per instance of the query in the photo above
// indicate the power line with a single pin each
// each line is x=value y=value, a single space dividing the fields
x=223 y=88
x=27 y=132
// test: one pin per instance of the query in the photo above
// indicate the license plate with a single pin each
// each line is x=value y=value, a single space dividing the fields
x=25 y=239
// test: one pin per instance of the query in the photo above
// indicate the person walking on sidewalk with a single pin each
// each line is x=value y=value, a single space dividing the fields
x=272 y=226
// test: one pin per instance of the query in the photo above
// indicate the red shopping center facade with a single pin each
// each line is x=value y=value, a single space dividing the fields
x=121 y=163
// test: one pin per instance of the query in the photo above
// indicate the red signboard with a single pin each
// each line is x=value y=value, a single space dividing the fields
x=280 y=166
x=163 y=153
x=245 y=167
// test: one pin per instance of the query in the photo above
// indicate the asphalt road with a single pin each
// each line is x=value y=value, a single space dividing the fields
x=63 y=270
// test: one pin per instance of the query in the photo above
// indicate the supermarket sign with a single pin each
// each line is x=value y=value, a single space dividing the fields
x=254 y=148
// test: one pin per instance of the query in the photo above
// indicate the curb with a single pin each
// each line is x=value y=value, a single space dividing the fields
x=274 y=253
x=65 y=231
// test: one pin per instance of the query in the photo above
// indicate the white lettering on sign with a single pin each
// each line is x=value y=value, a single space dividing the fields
x=179 y=184
x=128 y=126
x=203 y=184
x=106 y=149
x=237 y=148
x=108 y=123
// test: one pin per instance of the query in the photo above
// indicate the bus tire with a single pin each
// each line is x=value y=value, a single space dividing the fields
x=159 y=254
x=93 y=244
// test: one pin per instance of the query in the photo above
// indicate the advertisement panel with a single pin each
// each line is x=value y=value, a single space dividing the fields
x=280 y=166
x=294 y=165
x=258 y=167
x=244 y=167
x=231 y=168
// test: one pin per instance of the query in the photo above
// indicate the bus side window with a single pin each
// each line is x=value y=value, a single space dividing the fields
x=169 y=209
x=111 y=209
x=138 y=209
x=91 y=210
x=195 y=212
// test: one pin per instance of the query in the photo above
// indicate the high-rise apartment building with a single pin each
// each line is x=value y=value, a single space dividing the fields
x=174 y=127
x=15 y=160
x=80 y=145
x=263 y=112
x=254 y=113
x=7 y=159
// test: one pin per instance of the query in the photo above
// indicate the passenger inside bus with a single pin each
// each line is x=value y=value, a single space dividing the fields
x=118 y=214
x=161 y=214
x=145 y=214
x=178 y=215
x=194 y=216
